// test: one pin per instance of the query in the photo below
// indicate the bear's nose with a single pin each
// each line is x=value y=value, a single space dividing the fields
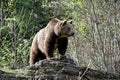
x=72 y=34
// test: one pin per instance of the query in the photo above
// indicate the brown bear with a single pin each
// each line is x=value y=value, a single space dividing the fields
x=54 y=35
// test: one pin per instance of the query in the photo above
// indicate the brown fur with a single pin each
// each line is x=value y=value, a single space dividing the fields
x=54 y=35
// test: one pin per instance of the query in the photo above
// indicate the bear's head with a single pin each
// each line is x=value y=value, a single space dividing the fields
x=64 y=28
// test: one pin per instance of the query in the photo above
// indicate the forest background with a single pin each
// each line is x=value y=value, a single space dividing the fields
x=96 y=43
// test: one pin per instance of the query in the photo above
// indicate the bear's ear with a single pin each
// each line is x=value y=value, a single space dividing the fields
x=70 y=21
x=63 y=23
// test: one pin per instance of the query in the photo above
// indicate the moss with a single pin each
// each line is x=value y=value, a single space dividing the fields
x=8 y=70
x=17 y=73
x=41 y=71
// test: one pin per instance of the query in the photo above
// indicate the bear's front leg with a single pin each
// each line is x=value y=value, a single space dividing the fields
x=32 y=58
x=49 y=47
x=62 y=46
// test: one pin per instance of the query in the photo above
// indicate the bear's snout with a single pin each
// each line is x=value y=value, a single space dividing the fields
x=72 y=34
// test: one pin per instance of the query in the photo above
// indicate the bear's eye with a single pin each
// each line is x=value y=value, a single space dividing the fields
x=68 y=29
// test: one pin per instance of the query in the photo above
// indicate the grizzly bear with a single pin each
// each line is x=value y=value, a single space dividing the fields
x=54 y=35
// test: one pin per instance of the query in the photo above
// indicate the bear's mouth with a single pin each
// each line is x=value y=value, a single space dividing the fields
x=66 y=35
x=72 y=34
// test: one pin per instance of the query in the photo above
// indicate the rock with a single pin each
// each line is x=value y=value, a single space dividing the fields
x=66 y=69
x=70 y=70
x=117 y=66
x=58 y=69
